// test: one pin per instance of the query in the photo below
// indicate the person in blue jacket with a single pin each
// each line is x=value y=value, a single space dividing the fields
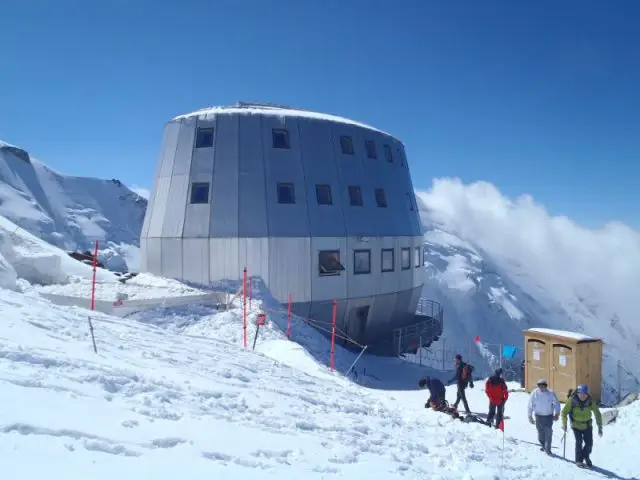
x=437 y=393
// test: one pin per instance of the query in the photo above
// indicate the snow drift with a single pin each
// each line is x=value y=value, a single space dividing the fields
x=500 y=266
x=70 y=212
x=25 y=256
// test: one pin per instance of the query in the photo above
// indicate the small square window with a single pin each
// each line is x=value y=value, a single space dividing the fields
x=204 y=137
x=280 y=138
x=370 y=146
x=346 y=145
x=286 y=193
x=405 y=258
x=200 y=192
x=355 y=196
x=329 y=263
x=388 y=260
x=323 y=195
x=381 y=198
x=388 y=154
x=361 y=262
x=416 y=257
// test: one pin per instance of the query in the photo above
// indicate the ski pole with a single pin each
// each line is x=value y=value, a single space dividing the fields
x=564 y=445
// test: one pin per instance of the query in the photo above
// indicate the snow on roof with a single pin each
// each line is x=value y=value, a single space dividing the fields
x=562 y=333
x=275 y=110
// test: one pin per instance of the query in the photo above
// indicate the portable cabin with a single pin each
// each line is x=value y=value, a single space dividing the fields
x=564 y=359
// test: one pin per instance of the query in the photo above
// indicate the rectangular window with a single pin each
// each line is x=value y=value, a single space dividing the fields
x=370 y=147
x=416 y=257
x=280 y=138
x=200 y=192
x=388 y=154
x=346 y=145
x=355 y=196
x=361 y=262
x=204 y=137
x=405 y=258
x=381 y=198
x=388 y=260
x=329 y=263
x=286 y=193
x=323 y=195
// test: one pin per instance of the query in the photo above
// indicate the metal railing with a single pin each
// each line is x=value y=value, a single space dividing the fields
x=422 y=333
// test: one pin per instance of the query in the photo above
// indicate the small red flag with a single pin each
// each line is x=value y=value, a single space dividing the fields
x=501 y=426
x=477 y=339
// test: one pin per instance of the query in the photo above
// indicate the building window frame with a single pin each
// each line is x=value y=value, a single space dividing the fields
x=281 y=187
x=204 y=137
x=326 y=189
x=381 y=197
x=416 y=257
x=362 y=271
x=392 y=251
x=388 y=153
x=329 y=263
x=346 y=145
x=405 y=258
x=357 y=191
x=280 y=138
x=196 y=195
x=370 y=148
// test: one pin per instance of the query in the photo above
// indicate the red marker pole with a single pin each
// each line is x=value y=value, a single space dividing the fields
x=244 y=307
x=333 y=336
x=289 y=318
x=93 y=282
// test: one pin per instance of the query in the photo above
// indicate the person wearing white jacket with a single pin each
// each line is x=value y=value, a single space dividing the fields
x=546 y=407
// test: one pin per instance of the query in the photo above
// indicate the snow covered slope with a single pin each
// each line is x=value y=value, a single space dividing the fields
x=70 y=212
x=500 y=266
x=158 y=404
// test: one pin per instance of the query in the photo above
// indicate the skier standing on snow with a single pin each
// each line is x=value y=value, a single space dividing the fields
x=544 y=403
x=498 y=393
x=579 y=408
x=436 y=393
x=463 y=379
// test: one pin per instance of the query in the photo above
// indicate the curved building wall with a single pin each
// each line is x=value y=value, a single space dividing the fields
x=241 y=222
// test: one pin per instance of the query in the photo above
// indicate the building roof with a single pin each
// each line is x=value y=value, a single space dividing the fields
x=562 y=333
x=275 y=110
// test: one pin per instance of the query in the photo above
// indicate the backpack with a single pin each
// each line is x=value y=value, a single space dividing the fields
x=466 y=372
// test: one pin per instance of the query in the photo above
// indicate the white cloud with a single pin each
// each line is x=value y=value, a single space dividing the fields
x=142 y=191
x=568 y=259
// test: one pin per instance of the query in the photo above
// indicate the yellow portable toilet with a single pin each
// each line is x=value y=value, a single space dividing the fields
x=565 y=359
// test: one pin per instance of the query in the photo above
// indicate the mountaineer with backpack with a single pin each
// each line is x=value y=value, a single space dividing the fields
x=436 y=392
x=498 y=393
x=463 y=378
x=546 y=406
x=579 y=407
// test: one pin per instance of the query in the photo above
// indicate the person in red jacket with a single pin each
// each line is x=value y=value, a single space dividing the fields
x=496 y=390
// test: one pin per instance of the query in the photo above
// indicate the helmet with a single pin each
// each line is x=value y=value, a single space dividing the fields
x=582 y=389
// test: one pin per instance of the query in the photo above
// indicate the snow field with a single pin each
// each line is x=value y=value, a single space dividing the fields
x=173 y=400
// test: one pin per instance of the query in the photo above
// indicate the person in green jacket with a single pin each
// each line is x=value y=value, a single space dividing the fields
x=579 y=407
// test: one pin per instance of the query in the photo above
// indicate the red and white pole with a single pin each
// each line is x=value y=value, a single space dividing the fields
x=289 y=318
x=244 y=306
x=333 y=337
x=93 y=282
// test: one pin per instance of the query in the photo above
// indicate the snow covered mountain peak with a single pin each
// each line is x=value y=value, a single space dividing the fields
x=501 y=265
x=70 y=212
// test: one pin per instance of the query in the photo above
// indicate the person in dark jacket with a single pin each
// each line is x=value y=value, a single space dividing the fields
x=498 y=393
x=463 y=379
x=436 y=393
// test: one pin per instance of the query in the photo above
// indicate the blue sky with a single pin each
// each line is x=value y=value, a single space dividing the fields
x=536 y=97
